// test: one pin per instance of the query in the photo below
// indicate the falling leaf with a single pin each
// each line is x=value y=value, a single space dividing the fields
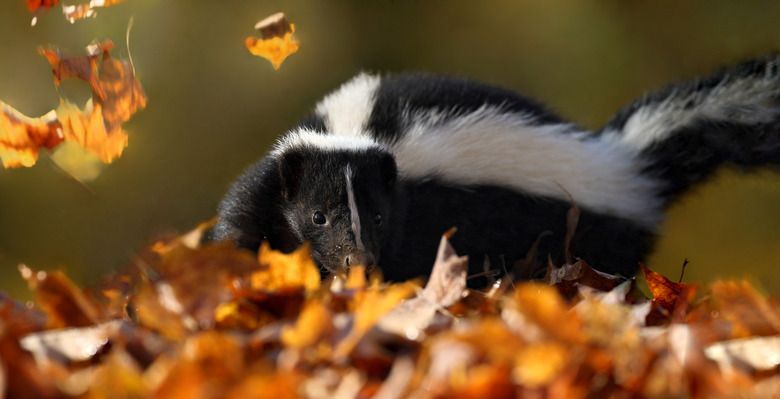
x=277 y=39
x=116 y=95
x=34 y=5
x=76 y=12
x=21 y=137
x=79 y=162
x=38 y=7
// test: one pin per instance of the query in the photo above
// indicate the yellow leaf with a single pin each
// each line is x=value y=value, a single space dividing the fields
x=274 y=49
x=295 y=269
x=314 y=322
x=21 y=137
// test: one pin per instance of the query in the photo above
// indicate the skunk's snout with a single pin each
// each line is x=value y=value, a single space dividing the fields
x=366 y=259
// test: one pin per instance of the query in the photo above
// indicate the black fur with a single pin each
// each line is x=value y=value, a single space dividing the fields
x=417 y=93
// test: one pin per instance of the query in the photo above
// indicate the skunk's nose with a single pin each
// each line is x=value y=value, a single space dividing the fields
x=357 y=258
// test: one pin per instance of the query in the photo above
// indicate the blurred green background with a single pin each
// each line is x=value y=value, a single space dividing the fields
x=214 y=108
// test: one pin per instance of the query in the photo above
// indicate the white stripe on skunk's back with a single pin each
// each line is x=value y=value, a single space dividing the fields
x=346 y=111
x=489 y=146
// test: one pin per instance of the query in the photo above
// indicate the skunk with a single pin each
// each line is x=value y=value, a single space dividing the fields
x=386 y=164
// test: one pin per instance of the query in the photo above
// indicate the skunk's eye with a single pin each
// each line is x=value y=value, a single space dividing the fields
x=377 y=219
x=319 y=218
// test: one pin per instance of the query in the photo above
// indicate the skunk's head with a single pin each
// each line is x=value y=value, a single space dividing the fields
x=338 y=195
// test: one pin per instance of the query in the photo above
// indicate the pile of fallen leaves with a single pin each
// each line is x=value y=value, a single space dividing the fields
x=187 y=320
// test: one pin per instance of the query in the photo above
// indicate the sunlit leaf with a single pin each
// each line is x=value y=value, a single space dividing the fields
x=277 y=41
x=295 y=269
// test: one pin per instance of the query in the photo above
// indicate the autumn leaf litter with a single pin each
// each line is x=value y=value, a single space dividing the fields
x=220 y=322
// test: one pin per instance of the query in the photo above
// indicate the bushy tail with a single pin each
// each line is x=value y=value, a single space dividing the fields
x=685 y=132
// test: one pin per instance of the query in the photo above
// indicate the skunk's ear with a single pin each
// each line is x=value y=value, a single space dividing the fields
x=290 y=171
x=388 y=169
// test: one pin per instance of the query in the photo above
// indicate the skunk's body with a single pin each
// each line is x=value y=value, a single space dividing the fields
x=386 y=165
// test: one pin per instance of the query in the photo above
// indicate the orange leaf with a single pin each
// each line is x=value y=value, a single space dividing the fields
x=277 y=42
x=664 y=290
x=116 y=95
x=63 y=302
x=21 y=137
x=295 y=269
x=314 y=322
x=34 y=5
x=749 y=312
x=84 y=67
x=370 y=306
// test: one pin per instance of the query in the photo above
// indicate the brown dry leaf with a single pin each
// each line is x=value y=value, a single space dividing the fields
x=61 y=300
x=277 y=42
x=20 y=319
x=569 y=276
x=448 y=277
x=21 y=137
x=665 y=291
x=446 y=286
x=199 y=280
x=296 y=269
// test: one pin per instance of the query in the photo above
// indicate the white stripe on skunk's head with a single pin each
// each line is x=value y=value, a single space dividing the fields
x=303 y=138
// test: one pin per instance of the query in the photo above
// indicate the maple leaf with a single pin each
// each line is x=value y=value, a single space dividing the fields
x=277 y=41
x=665 y=291
x=116 y=95
x=21 y=137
